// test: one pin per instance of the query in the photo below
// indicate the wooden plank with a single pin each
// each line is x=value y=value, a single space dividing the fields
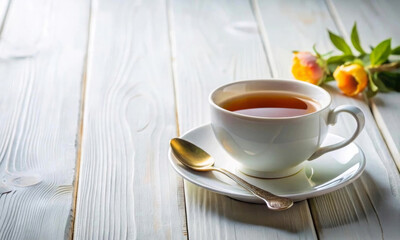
x=382 y=24
x=4 y=6
x=368 y=208
x=126 y=188
x=42 y=52
x=216 y=42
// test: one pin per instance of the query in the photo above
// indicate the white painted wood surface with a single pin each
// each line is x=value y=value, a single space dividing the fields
x=368 y=208
x=41 y=67
x=3 y=10
x=150 y=68
x=217 y=42
x=376 y=20
x=127 y=189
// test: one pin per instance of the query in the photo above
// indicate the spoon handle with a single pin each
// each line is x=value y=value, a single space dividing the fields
x=273 y=202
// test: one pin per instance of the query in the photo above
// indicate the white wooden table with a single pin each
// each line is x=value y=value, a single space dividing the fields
x=92 y=91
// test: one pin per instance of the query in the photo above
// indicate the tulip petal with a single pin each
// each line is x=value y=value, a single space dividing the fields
x=306 y=68
x=351 y=79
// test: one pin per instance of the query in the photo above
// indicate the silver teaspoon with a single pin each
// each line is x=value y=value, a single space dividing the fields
x=197 y=159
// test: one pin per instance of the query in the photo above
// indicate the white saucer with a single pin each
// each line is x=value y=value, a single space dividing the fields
x=325 y=174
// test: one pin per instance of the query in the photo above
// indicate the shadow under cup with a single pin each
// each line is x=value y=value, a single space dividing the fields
x=269 y=147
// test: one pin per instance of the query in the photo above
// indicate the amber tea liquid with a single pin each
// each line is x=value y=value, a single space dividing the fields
x=271 y=104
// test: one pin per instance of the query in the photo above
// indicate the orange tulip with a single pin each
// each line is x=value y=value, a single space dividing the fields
x=306 y=67
x=351 y=79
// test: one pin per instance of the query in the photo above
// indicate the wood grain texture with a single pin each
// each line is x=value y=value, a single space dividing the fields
x=368 y=208
x=4 y=6
x=41 y=66
x=126 y=188
x=214 y=43
x=376 y=20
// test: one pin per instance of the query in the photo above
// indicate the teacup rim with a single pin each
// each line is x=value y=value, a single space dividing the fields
x=211 y=101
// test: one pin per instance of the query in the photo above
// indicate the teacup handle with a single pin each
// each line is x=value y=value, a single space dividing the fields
x=360 y=119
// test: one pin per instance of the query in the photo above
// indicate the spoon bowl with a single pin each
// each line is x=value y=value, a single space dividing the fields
x=197 y=159
x=191 y=155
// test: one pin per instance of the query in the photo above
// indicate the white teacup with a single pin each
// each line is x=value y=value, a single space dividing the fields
x=271 y=147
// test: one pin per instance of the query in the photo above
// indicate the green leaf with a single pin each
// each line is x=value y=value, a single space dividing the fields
x=372 y=88
x=340 y=59
x=396 y=51
x=365 y=59
x=379 y=83
x=329 y=78
x=390 y=79
x=370 y=93
x=381 y=52
x=332 y=67
x=340 y=43
x=356 y=40
x=371 y=84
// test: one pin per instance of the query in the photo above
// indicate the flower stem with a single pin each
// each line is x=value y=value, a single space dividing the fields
x=385 y=67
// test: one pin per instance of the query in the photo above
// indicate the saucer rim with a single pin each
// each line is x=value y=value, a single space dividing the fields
x=244 y=195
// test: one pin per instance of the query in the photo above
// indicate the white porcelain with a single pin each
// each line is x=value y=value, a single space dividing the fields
x=276 y=147
x=326 y=173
